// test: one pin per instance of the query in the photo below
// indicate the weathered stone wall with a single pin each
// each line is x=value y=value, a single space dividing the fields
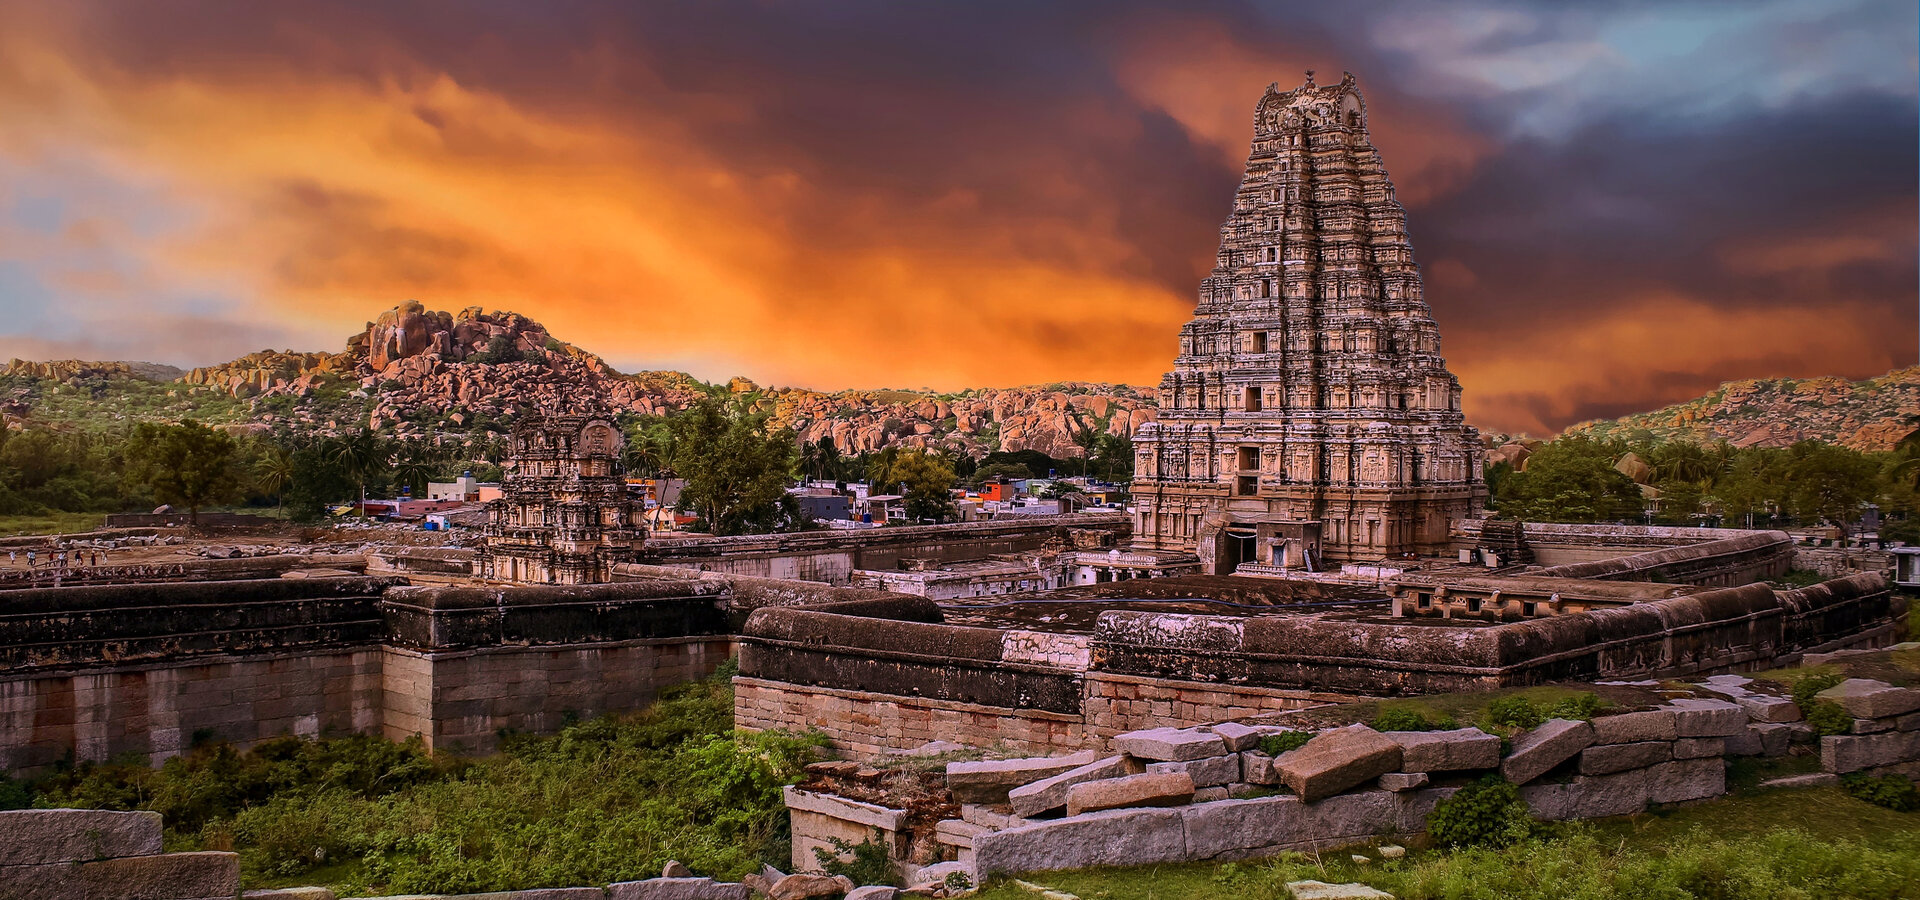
x=1839 y=563
x=1743 y=558
x=867 y=724
x=1558 y=544
x=832 y=556
x=80 y=854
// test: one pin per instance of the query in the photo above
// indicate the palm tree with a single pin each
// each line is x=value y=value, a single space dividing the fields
x=273 y=473
x=415 y=466
x=360 y=456
x=1908 y=468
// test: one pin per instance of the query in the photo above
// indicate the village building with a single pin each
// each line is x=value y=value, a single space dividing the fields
x=1309 y=418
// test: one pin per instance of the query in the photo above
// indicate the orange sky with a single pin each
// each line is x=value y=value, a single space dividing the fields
x=883 y=198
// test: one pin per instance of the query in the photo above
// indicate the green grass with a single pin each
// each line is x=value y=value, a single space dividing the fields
x=608 y=799
x=51 y=523
x=1782 y=845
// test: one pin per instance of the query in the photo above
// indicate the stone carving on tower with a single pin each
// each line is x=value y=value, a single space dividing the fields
x=564 y=515
x=1309 y=418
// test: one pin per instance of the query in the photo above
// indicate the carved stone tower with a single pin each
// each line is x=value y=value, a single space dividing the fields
x=563 y=516
x=1309 y=415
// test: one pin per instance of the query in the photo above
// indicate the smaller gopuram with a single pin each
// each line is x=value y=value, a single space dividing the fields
x=563 y=516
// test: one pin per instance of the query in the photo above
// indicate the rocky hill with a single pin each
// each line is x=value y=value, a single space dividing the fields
x=415 y=372
x=1866 y=415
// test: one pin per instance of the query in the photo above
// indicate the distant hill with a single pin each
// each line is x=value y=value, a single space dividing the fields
x=420 y=373
x=1868 y=415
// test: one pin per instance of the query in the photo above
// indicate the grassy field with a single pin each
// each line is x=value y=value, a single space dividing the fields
x=1809 y=844
x=51 y=523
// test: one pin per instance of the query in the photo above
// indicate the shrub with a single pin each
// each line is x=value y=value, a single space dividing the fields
x=1513 y=713
x=1401 y=718
x=1578 y=706
x=957 y=883
x=1806 y=687
x=1488 y=813
x=1827 y=717
x=1276 y=744
x=872 y=862
x=1894 y=792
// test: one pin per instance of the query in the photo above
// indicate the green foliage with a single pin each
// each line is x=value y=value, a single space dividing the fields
x=736 y=467
x=500 y=350
x=187 y=464
x=605 y=799
x=1488 y=813
x=927 y=479
x=1276 y=744
x=1895 y=792
x=1403 y=718
x=1826 y=717
x=1579 y=706
x=871 y=860
x=1513 y=714
x=957 y=883
x=1808 y=686
x=1571 y=480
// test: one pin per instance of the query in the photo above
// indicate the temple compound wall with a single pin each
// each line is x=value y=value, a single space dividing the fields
x=891 y=675
x=149 y=670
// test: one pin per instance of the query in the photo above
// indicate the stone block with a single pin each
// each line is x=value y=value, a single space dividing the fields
x=1762 y=708
x=162 y=877
x=1844 y=753
x=292 y=893
x=1337 y=759
x=40 y=836
x=1320 y=890
x=860 y=813
x=1707 y=718
x=1210 y=794
x=803 y=886
x=1809 y=780
x=1238 y=829
x=1238 y=737
x=1210 y=772
x=1686 y=779
x=988 y=781
x=1257 y=768
x=1152 y=789
x=1870 y=726
x=1775 y=739
x=989 y=817
x=957 y=832
x=1634 y=728
x=1864 y=698
x=1403 y=781
x=1120 y=837
x=874 y=892
x=1447 y=751
x=1049 y=794
x=1170 y=744
x=1908 y=722
x=1606 y=759
x=1701 y=748
x=1538 y=751
x=937 y=873
x=1413 y=807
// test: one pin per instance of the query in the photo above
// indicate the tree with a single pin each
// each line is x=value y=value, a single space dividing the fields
x=735 y=467
x=1571 y=480
x=1830 y=482
x=272 y=473
x=317 y=480
x=415 y=465
x=929 y=485
x=361 y=456
x=187 y=464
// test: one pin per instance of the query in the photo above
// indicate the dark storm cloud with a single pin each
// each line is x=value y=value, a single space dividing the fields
x=1617 y=204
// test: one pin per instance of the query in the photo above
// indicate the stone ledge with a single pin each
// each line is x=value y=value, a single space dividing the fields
x=846 y=810
x=45 y=836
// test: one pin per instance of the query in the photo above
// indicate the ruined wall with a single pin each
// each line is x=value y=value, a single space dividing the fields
x=832 y=556
x=147 y=669
x=1744 y=558
x=1558 y=544
x=1833 y=562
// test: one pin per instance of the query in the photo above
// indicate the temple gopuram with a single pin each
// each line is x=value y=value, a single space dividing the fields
x=1309 y=419
x=564 y=516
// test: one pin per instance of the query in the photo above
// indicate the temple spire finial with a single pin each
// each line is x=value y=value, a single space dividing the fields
x=1309 y=77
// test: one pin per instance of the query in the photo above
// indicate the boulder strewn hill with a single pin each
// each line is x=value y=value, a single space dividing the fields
x=1868 y=415
x=415 y=372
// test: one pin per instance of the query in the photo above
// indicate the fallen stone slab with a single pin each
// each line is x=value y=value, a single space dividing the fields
x=1403 y=781
x=1864 y=698
x=1634 y=728
x=1775 y=740
x=1762 y=708
x=957 y=832
x=1262 y=826
x=855 y=811
x=1257 y=768
x=1870 y=726
x=1210 y=794
x=1538 y=751
x=990 y=817
x=40 y=836
x=1118 y=837
x=1151 y=789
x=803 y=886
x=1447 y=751
x=1320 y=890
x=1337 y=759
x=292 y=893
x=1707 y=718
x=205 y=874
x=678 y=888
x=1049 y=794
x=1238 y=737
x=988 y=781
x=1170 y=744
x=874 y=892
x=1210 y=772
x=1844 y=753
x=937 y=873
x=1809 y=780
x=1606 y=759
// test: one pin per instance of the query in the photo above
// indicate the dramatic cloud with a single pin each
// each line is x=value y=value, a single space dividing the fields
x=1616 y=205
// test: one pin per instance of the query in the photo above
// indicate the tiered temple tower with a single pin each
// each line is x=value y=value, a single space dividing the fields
x=1309 y=415
x=563 y=516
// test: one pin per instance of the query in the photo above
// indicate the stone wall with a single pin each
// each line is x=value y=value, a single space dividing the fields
x=83 y=854
x=149 y=669
x=1558 y=544
x=832 y=556
x=1839 y=563
x=1742 y=558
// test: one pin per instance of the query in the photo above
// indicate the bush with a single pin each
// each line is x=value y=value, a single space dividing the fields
x=872 y=862
x=1895 y=792
x=1826 y=717
x=1276 y=744
x=1402 y=718
x=1578 y=706
x=1513 y=713
x=1488 y=813
x=1806 y=687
